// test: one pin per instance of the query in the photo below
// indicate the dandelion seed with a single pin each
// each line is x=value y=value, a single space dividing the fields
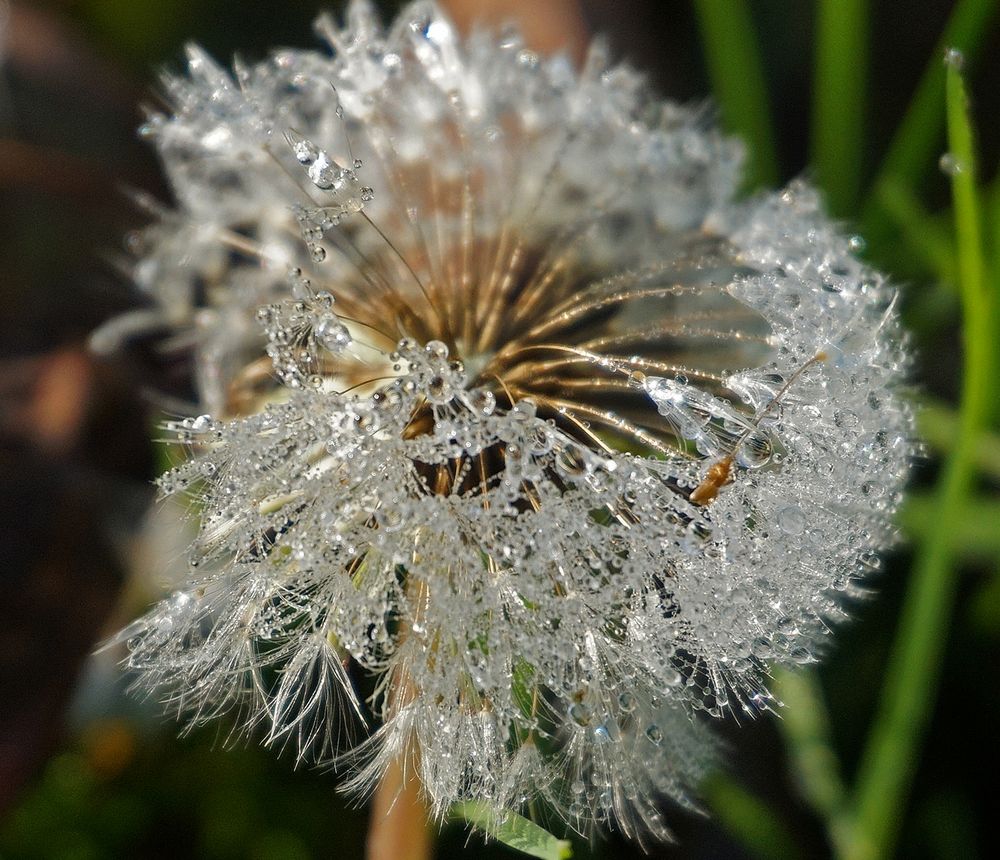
x=562 y=443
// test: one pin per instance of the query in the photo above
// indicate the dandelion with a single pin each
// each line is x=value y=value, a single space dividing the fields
x=528 y=442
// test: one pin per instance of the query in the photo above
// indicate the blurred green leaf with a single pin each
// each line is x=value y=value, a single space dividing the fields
x=805 y=725
x=749 y=819
x=838 y=113
x=984 y=612
x=738 y=82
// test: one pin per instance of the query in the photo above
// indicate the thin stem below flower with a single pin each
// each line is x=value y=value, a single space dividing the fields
x=400 y=828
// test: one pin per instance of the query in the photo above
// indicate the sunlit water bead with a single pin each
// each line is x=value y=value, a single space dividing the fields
x=954 y=58
x=332 y=333
x=951 y=165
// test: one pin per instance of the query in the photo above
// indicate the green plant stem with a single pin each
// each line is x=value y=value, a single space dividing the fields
x=738 y=82
x=889 y=760
x=805 y=724
x=839 y=100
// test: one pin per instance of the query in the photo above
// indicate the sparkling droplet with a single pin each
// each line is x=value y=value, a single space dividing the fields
x=580 y=714
x=950 y=166
x=439 y=389
x=654 y=735
x=571 y=462
x=755 y=451
x=954 y=58
x=791 y=520
x=436 y=349
x=332 y=333
x=305 y=151
x=482 y=401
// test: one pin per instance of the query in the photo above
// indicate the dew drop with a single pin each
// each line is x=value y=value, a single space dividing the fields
x=950 y=165
x=571 y=462
x=389 y=519
x=579 y=713
x=439 y=389
x=332 y=333
x=671 y=677
x=481 y=401
x=755 y=451
x=436 y=349
x=791 y=520
x=954 y=59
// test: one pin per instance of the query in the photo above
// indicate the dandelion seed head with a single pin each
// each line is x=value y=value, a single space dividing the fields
x=518 y=411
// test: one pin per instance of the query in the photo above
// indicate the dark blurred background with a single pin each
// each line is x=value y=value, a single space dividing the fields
x=86 y=772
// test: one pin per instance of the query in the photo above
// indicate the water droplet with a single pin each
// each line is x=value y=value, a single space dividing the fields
x=571 y=462
x=654 y=735
x=389 y=519
x=671 y=677
x=857 y=244
x=332 y=333
x=950 y=166
x=602 y=734
x=579 y=713
x=436 y=349
x=873 y=489
x=305 y=151
x=791 y=520
x=318 y=253
x=954 y=58
x=439 y=389
x=482 y=401
x=627 y=702
x=755 y=451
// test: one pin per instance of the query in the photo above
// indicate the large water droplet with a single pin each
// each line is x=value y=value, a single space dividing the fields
x=332 y=333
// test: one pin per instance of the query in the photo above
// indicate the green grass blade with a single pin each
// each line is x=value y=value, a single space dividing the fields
x=734 y=66
x=890 y=757
x=840 y=84
x=805 y=724
x=915 y=145
x=749 y=820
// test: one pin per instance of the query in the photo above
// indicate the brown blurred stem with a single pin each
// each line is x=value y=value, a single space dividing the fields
x=548 y=27
x=399 y=828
